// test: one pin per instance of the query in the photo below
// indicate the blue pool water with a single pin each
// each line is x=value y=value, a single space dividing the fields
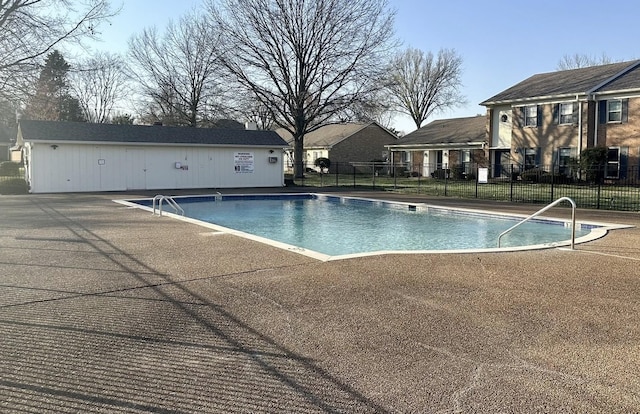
x=341 y=226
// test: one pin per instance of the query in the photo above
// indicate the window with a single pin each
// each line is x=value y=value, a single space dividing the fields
x=564 y=160
x=614 y=110
x=613 y=162
x=566 y=113
x=465 y=158
x=530 y=158
x=531 y=115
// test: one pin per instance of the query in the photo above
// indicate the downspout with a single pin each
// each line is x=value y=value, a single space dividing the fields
x=579 y=124
x=596 y=122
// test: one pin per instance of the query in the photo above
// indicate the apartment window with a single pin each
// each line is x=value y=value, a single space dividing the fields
x=465 y=158
x=564 y=160
x=530 y=158
x=614 y=110
x=613 y=162
x=531 y=115
x=566 y=113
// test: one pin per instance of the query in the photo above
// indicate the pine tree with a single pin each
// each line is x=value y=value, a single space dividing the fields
x=52 y=100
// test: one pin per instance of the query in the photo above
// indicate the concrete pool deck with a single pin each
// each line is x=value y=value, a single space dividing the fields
x=105 y=308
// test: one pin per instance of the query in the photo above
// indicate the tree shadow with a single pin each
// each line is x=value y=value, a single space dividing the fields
x=157 y=346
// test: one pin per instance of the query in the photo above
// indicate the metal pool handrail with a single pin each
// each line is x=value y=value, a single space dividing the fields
x=160 y=198
x=558 y=201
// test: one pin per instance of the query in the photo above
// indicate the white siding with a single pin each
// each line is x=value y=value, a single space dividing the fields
x=502 y=130
x=78 y=168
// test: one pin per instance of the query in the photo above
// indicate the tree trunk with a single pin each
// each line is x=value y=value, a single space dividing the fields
x=298 y=161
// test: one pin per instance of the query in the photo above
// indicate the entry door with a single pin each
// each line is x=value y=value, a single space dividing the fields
x=502 y=163
x=136 y=169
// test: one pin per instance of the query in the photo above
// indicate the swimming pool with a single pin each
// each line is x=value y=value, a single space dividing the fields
x=330 y=227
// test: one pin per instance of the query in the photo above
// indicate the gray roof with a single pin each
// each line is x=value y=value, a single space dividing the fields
x=615 y=76
x=329 y=135
x=447 y=131
x=87 y=132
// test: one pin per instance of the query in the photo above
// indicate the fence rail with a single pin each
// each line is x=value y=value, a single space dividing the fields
x=595 y=188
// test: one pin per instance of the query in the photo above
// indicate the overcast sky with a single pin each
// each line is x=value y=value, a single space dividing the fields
x=501 y=42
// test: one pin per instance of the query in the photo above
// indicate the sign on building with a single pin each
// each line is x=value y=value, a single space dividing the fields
x=243 y=162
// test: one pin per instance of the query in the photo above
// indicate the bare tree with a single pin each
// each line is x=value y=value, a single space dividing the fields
x=577 y=61
x=422 y=84
x=99 y=82
x=178 y=72
x=305 y=60
x=31 y=29
x=252 y=110
x=376 y=108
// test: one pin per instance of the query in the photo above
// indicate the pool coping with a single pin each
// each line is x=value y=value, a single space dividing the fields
x=597 y=230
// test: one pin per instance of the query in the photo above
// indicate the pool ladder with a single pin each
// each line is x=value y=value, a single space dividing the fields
x=542 y=210
x=170 y=201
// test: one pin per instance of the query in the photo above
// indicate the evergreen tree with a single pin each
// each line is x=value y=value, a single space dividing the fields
x=122 y=119
x=52 y=100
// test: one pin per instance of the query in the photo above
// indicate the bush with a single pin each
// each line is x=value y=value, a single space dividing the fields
x=441 y=173
x=457 y=173
x=378 y=165
x=555 y=179
x=322 y=163
x=533 y=175
x=14 y=186
x=593 y=161
x=9 y=169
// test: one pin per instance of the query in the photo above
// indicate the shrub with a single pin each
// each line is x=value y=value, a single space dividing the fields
x=322 y=163
x=533 y=175
x=441 y=173
x=14 y=186
x=378 y=165
x=457 y=173
x=555 y=179
x=9 y=169
x=592 y=161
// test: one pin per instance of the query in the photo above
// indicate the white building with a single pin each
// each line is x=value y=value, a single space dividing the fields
x=83 y=157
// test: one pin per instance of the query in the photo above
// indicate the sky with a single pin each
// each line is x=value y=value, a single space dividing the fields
x=501 y=42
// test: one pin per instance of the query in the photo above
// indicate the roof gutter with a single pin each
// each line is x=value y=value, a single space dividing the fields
x=545 y=98
x=452 y=145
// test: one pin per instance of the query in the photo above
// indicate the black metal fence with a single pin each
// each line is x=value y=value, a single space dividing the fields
x=609 y=187
x=12 y=178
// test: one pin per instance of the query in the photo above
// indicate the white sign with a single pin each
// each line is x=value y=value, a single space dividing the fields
x=243 y=162
x=483 y=175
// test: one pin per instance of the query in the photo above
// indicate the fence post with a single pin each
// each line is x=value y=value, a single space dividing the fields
x=477 y=175
x=337 y=172
x=598 y=197
x=445 y=179
x=394 y=171
x=511 y=180
x=354 y=176
x=373 y=174
x=553 y=179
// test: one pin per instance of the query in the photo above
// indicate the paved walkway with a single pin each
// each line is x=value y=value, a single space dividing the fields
x=104 y=308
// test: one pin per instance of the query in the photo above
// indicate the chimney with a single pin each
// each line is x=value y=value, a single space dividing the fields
x=250 y=126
